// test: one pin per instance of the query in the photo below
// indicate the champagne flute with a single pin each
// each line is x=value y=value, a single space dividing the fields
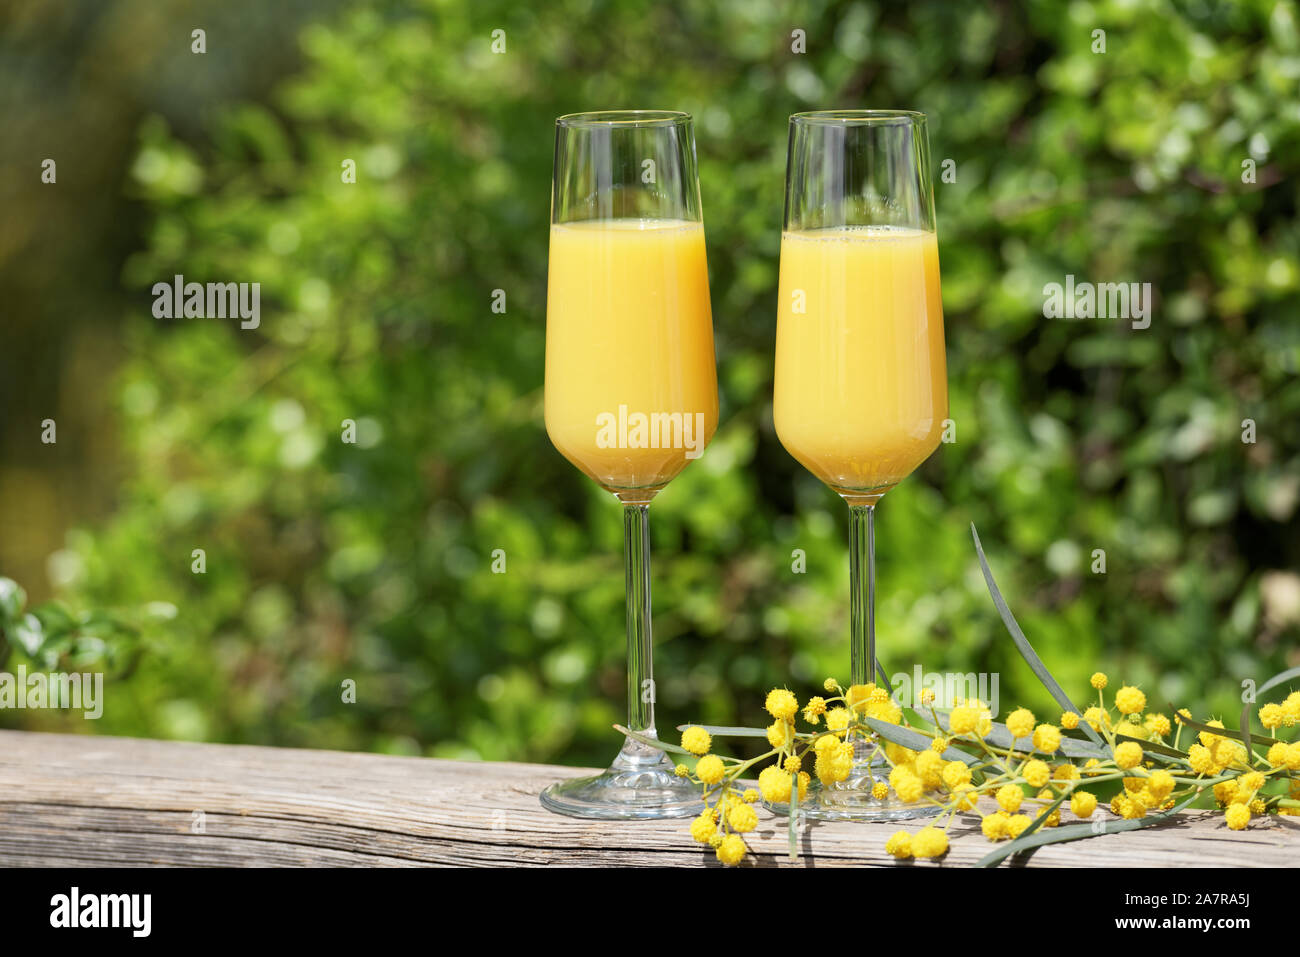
x=860 y=381
x=631 y=388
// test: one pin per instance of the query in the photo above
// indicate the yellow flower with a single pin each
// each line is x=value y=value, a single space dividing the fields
x=750 y=796
x=732 y=850
x=906 y=784
x=1021 y=723
x=1009 y=797
x=1208 y=739
x=1225 y=791
x=1096 y=717
x=1158 y=724
x=1132 y=809
x=682 y=771
x=742 y=818
x=710 y=769
x=1257 y=807
x=1277 y=754
x=880 y=790
x=1047 y=738
x=1098 y=680
x=1048 y=797
x=858 y=695
x=778 y=734
x=1200 y=759
x=963 y=720
x=830 y=684
x=1083 y=803
x=956 y=774
x=1069 y=720
x=703 y=828
x=716 y=840
x=1016 y=825
x=1065 y=772
x=929 y=767
x=781 y=704
x=1237 y=816
x=898 y=754
x=1291 y=708
x=814 y=708
x=1036 y=773
x=900 y=845
x=927 y=697
x=1128 y=755
x=929 y=842
x=885 y=710
x=994 y=826
x=1131 y=730
x=939 y=745
x=1161 y=784
x=793 y=764
x=837 y=719
x=696 y=740
x=1293 y=756
x=1271 y=716
x=804 y=779
x=1130 y=700
x=1252 y=780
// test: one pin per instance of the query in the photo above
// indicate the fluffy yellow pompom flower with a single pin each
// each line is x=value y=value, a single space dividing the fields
x=1036 y=773
x=858 y=695
x=781 y=704
x=1277 y=754
x=1083 y=803
x=906 y=784
x=778 y=734
x=963 y=720
x=1069 y=720
x=899 y=845
x=1293 y=756
x=1065 y=772
x=750 y=796
x=742 y=818
x=837 y=719
x=1128 y=754
x=703 y=828
x=1096 y=717
x=1016 y=825
x=965 y=798
x=1200 y=758
x=682 y=771
x=793 y=764
x=830 y=684
x=696 y=740
x=1271 y=716
x=775 y=785
x=1291 y=708
x=927 y=697
x=1098 y=680
x=1047 y=738
x=1237 y=816
x=1021 y=723
x=994 y=826
x=929 y=842
x=813 y=709
x=880 y=790
x=710 y=769
x=732 y=850
x=1205 y=737
x=1130 y=700
x=1158 y=724
x=939 y=745
x=1054 y=818
x=956 y=774
x=1251 y=781
x=929 y=766
x=1161 y=784
x=1009 y=797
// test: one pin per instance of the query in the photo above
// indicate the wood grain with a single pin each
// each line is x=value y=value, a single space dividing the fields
x=77 y=800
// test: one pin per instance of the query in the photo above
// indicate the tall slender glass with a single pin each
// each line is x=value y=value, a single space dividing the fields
x=861 y=386
x=631 y=386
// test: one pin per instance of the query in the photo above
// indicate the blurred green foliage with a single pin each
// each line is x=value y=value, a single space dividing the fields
x=328 y=561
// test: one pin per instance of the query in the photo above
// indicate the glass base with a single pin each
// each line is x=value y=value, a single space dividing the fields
x=640 y=784
x=852 y=800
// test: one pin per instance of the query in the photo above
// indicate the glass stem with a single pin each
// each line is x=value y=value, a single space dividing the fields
x=862 y=576
x=640 y=663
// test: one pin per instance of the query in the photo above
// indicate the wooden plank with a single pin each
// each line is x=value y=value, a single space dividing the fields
x=87 y=800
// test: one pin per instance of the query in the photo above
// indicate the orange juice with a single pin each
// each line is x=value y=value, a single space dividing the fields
x=861 y=380
x=631 y=388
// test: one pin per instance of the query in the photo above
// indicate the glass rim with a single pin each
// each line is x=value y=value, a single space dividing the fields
x=623 y=118
x=859 y=117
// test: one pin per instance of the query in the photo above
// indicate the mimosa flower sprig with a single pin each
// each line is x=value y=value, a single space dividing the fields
x=948 y=759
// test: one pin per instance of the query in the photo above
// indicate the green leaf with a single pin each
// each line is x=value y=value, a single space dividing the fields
x=1277 y=679
x=1223 y=732
x=914 y=740
x=1077 y=832
x=1026 y=649
x=722 y=731
x=653 y=742
x=1154 y=748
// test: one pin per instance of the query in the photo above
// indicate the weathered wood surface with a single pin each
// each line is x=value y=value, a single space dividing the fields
x=82 y=800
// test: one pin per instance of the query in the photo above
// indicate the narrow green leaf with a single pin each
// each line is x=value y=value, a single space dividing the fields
x=1022 y=643
x=1223 y=732
x=653 y=742
x=1077 y=832
x=722 y=731
x=1154 y=748
x=914 y=740
x=1277 y=679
